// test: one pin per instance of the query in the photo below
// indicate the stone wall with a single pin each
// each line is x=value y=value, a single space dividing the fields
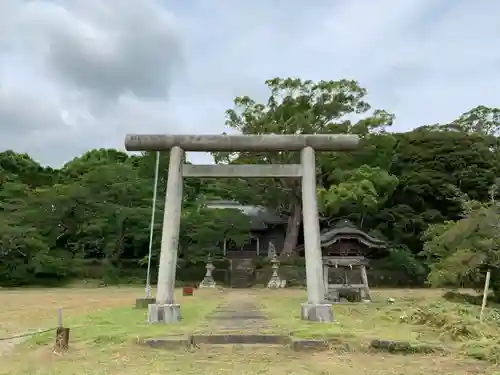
x=296 y=276
x=194 y=273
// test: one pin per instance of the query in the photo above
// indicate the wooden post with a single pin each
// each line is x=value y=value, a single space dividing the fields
x=364 y=278
x=62 y=339
x=62 y=335
x=326 y=277
x=485 y=295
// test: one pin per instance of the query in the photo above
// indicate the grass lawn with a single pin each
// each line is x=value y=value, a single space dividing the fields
x=104 y=327
x=420 y=316
x=26 y=309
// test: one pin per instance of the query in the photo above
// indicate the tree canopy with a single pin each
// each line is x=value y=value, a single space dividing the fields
x=412 y=189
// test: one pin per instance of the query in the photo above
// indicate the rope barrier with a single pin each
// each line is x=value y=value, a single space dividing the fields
x=27 y=334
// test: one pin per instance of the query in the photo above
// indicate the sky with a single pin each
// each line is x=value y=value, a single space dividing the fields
x=80 y=74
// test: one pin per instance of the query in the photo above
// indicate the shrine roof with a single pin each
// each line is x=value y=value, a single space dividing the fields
x=345 y=229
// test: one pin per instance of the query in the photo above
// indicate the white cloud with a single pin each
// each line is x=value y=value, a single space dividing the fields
x=82 y=73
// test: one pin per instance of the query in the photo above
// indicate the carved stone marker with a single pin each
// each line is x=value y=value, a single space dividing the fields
x=166 y=310
x=271 y=250
x=275 y=281
x=208 y=281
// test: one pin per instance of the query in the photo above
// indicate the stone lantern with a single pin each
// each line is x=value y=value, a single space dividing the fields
x=208 y=281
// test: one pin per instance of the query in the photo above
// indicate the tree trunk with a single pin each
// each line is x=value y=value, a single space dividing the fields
x=361 y=221
x=292 y=229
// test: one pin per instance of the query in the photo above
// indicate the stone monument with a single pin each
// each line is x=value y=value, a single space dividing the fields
x=208 y=281
x=165 y=310
x=271 y=250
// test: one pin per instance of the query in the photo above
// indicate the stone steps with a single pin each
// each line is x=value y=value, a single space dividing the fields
x=197 y=341
x=242 y=273
x=241 y=279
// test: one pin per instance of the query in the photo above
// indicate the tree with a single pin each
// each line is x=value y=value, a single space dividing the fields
x=464 y=249
x=479 y=120
x=296 y=106
x=203 y=230
x=22 y=168
x=435 y=169
x=431 y=192
x=360 y=192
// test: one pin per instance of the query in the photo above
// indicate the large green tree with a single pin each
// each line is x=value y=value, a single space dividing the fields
x=357 y=192
x=296 y=106
x=98 y=206
x=464 y=249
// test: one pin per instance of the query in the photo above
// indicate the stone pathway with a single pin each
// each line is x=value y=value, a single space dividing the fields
x=238 y=313
x=238 y=320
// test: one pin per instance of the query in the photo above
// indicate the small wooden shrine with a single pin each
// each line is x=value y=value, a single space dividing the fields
x=346 y=252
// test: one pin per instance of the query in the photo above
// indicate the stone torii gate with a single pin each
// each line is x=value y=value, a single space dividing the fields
x=316 y=308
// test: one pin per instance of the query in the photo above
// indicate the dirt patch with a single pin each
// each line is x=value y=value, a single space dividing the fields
x=30 y=310
x=236 y=360
x=6 y=346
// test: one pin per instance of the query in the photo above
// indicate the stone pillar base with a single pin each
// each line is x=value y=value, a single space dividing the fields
x=142 y=303
x=274 y=283
x=322 y=312
x=207 y=283
x=169 y=313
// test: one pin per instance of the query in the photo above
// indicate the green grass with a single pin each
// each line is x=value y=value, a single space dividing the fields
x=126 y=324
x=358 y=321
x=427 y=319
x=103 y=341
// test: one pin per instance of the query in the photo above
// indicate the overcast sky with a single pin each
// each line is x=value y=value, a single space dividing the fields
x=80 y=74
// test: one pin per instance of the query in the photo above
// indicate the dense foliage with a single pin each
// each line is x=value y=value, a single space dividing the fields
x=409 y=188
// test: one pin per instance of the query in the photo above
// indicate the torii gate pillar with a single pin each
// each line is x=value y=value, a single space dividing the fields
x=316 y=308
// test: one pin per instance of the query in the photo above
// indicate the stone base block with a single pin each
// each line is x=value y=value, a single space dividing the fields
x=207 y=282
x=169 y=343
x=207 y=285
x=274 y=285
x=322 y=312
x=143 y=303
x=169 y=313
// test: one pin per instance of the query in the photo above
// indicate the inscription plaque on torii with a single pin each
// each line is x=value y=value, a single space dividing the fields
x=316 y=308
